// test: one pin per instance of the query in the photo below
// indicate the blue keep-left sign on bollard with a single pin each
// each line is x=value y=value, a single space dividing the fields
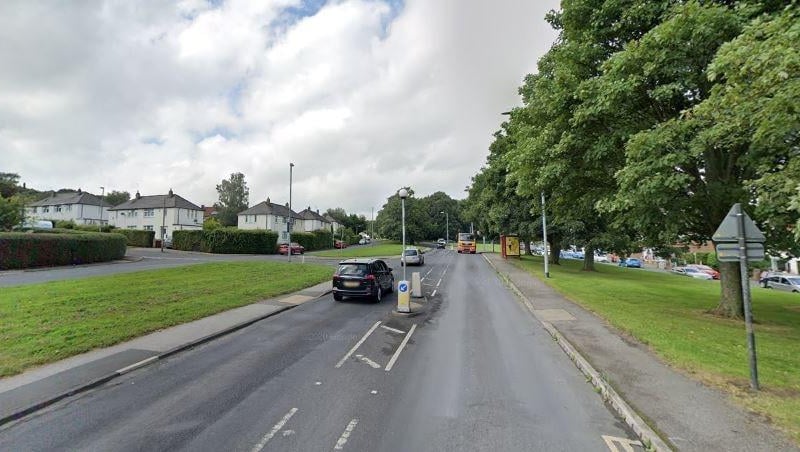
x=403 y=297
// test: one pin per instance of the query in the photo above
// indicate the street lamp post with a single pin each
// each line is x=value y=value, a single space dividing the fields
x=544 y=236
x=446 y=229
x=102 y=195
x=163 y=221
x=289 y=223
x=403 y=193
x=403 y=296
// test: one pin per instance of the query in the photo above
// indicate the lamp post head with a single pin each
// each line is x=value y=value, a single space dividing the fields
x=403 y=193
x=291 y=165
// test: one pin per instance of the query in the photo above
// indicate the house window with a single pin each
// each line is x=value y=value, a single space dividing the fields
x=45 y=209
x=58 y=208
x=149 y=213
x=131 y=227
x=148 y=227
x=34 y=210
x=69 y=207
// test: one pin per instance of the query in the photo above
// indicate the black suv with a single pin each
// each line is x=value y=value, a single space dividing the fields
x=362 y=278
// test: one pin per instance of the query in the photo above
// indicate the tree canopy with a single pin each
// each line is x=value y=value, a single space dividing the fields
x=234 y=197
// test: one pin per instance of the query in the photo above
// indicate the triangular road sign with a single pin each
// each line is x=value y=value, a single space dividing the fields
x=728 y=229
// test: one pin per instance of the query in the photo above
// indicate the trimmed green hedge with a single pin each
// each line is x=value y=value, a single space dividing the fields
x=312 y=241
x=135 y=237
x=23 y=250
x=188 y=240
x=235 y=241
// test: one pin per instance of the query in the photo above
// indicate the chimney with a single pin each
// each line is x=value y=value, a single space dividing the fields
x=138 y=196
x=268 y=200
x=287 y=205
x=170 y=193
x=79 y=191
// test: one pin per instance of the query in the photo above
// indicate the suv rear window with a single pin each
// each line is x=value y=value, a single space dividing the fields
x=410 y=253
x=353 y=270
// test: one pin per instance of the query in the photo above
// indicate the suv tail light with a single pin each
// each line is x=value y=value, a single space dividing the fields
x=370 y=277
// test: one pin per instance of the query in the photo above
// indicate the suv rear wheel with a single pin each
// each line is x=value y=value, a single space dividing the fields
x=378 y=294
x=337 y=297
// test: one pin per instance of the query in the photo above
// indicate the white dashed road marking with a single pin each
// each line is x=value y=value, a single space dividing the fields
x=346 y=434
x=275 y=429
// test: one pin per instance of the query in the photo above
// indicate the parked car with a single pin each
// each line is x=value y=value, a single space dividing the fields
x=787 y=283
x=630 y=263
x=338 y=244
x=412 y=256
x=601 y=258
x=692 y=272
x=362 y=241
x=297 y=248
x=369 y=278
x=705 y=268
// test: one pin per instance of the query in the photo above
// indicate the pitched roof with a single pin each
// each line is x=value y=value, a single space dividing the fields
x=170 y=200
x=77 y=197
x=330 y=219
x=309 y=214
x=270 y=208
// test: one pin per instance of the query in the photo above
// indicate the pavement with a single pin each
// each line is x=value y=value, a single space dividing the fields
x=686 y=414
x=39 y=387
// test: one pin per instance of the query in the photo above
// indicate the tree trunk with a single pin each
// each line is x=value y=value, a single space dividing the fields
x=588 y=260
x=731 y=304
x=527 y=244
x=555 y=251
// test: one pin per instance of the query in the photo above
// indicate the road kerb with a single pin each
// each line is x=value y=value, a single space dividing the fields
x=106 y=378
x=646 y=434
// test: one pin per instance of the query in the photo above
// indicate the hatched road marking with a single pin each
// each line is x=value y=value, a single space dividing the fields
x=394 y=330
x=358 y=344
x=345 y=435
x=275 y=429
x=400 y=349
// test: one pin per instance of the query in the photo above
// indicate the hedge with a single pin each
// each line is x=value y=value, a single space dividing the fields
x=135 y=237
x=312 y=241
x=235 y=241
x=188 y=240
x=23 y=250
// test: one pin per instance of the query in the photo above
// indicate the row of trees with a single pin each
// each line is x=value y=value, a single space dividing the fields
x=426 y=218
x=645 y=122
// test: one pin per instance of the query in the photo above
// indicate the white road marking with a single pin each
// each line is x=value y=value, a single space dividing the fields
x=373 y=392
x=394 y=330
x=428 y=273
x=288 y=432
x=627 y=444
x=358 y=344
x=372 y=363
x=133 y=366
x=318 y=383
x=434 y=293
x=400 y=349
x=346 y=434
x=444 y=272
x=438 y=283
x=274 y=430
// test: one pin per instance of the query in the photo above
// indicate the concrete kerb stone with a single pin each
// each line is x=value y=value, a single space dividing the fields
x=647 y=435
x=106 y=378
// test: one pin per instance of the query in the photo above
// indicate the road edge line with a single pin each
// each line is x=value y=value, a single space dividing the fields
x=117 y=373
x=648 y=436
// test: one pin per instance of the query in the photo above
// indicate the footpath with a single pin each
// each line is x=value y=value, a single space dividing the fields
x=42 y=386
x=684 y=413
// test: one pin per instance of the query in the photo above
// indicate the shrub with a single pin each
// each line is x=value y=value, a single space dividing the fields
x=188 y=240
x=94 y=228
x=64 y=224
x=21 y=250
x=235 y=241
x=138 y=238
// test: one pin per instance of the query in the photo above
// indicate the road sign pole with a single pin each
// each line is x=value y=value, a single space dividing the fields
x=748 y=312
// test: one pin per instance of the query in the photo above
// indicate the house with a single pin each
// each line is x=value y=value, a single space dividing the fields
x=272 y=217
x=334 y=225
x=209 y=212
x=81 y=207
x=313 y=221
x=161 y=213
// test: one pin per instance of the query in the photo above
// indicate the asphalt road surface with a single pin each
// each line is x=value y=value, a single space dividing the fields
x=474 y=373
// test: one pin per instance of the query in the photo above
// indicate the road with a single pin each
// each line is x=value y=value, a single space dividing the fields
x=474 y=372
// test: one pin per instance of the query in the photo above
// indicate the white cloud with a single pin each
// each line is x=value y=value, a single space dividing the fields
x=361 y=96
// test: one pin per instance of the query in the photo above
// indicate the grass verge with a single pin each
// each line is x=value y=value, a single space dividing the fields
x=669 y=313
x=42 y=323
x=380 y=249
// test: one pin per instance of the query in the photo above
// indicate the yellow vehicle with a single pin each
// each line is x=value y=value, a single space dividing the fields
x=466 y=243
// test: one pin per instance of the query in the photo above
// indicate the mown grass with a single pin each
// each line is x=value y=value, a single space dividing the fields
x=42 y=323
x=670 y=314
x=380 y=249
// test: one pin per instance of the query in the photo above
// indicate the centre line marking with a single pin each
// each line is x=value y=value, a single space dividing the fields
x=394 y=330
x=346 y=434
x=400 y=349
x=358 y=344
x=275 y=429
x=429 y=272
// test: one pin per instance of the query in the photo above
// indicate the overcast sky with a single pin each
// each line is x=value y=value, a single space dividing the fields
x=362 y=96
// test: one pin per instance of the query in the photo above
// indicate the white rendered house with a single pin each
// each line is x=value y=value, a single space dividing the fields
x=272 y=217
x=161 y=213
x=80 y=207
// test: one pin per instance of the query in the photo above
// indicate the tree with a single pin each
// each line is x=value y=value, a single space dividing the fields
x=233 y=198
x=8 y=184
x=389 y=219
x=115 y=198
x=11 y=213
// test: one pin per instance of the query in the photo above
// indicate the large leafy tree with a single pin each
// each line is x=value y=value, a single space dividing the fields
x=690 y=155
x=115 y=198
x=233 y=198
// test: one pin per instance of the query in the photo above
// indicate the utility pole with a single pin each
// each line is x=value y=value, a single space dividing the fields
x=544 y=236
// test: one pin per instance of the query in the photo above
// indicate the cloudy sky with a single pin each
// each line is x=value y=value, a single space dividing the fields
x=364 y=96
